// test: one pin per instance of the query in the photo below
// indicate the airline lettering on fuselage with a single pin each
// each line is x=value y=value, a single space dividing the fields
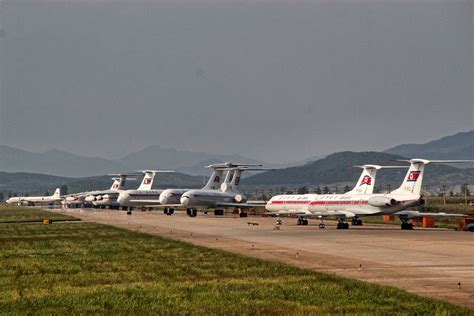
x=366 y=180
x=413 y=176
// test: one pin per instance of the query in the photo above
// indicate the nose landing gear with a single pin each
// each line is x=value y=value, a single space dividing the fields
x=169 y=211
x=192 y=212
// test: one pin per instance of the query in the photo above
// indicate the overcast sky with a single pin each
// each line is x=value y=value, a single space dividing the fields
x=274 y=80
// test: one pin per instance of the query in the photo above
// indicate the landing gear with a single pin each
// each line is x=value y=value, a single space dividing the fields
x=321 y=223
x=169 y=211
x=302 y=221
x=192 y=212
x=341 y=224
x=218 y=212
x=129 y=210
x=278 y=222
x=407 y=226
x=356 y=221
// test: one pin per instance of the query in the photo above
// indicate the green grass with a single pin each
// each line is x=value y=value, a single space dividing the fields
x=19 y=214
x=82 y=268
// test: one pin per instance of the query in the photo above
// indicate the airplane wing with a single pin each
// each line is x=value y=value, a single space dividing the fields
x=416 y=214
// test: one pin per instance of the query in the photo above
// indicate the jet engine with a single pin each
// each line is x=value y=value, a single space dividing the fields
x=381 y=201
x=239 y=198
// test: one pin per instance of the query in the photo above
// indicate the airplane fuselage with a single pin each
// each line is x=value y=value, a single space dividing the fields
x=209 y=198
x=340 y=204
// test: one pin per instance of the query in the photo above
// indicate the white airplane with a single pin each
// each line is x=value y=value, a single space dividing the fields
x=32 y=200
x=91 y=197
x=169 y=197
x=355 y=204
x=227 y=196
x=144 y=195
x=103 y=198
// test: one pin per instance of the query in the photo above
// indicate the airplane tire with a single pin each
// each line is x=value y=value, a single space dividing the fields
x=171 y=211
x=305 y=222
x=193 y=212
x=339 y=226
x=345 y=226
x=322 y=226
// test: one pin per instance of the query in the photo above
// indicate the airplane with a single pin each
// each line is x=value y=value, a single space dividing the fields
x=31 y=200
x=103 y=198
x=80 y=198
x=353 y=204
x=168 y=197
x=227 y=196
x=144 y=195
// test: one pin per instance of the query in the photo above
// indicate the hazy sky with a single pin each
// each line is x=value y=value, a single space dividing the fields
x=273 y=80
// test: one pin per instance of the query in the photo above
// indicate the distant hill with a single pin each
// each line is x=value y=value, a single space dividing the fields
x=458 y=146
x=31 y=183
x=55 y=162
x=61 y=163
x=337 y=168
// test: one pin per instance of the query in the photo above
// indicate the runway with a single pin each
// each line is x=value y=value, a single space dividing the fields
x=429 y=262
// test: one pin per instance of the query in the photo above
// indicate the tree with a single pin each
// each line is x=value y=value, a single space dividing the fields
x=347 y=188
x=326 y=190
x=2 y=197
x=318 y=190
x=302 y=190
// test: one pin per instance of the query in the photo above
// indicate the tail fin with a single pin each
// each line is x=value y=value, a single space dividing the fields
x=117 y=184
x=414 y=177
x=231 y=178
x=366 y=183
x=147 y=181
x=232 y=181
x=215 y=180
x=57 y=193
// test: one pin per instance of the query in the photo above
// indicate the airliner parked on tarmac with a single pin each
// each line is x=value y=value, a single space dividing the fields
x=109 y=197
x=227 y=196
x=132 y=198
x=355 y=204
x=33 y=200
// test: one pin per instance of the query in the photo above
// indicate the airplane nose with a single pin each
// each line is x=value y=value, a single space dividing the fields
x=123 y=199
x=164 y=198
x=184 y=200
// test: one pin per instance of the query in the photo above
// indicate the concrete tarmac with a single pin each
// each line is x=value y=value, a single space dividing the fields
x=429 y=262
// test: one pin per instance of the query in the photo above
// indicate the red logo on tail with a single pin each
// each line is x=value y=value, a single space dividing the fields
x=413 y=176
x=366 y=180
x=147 y=181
